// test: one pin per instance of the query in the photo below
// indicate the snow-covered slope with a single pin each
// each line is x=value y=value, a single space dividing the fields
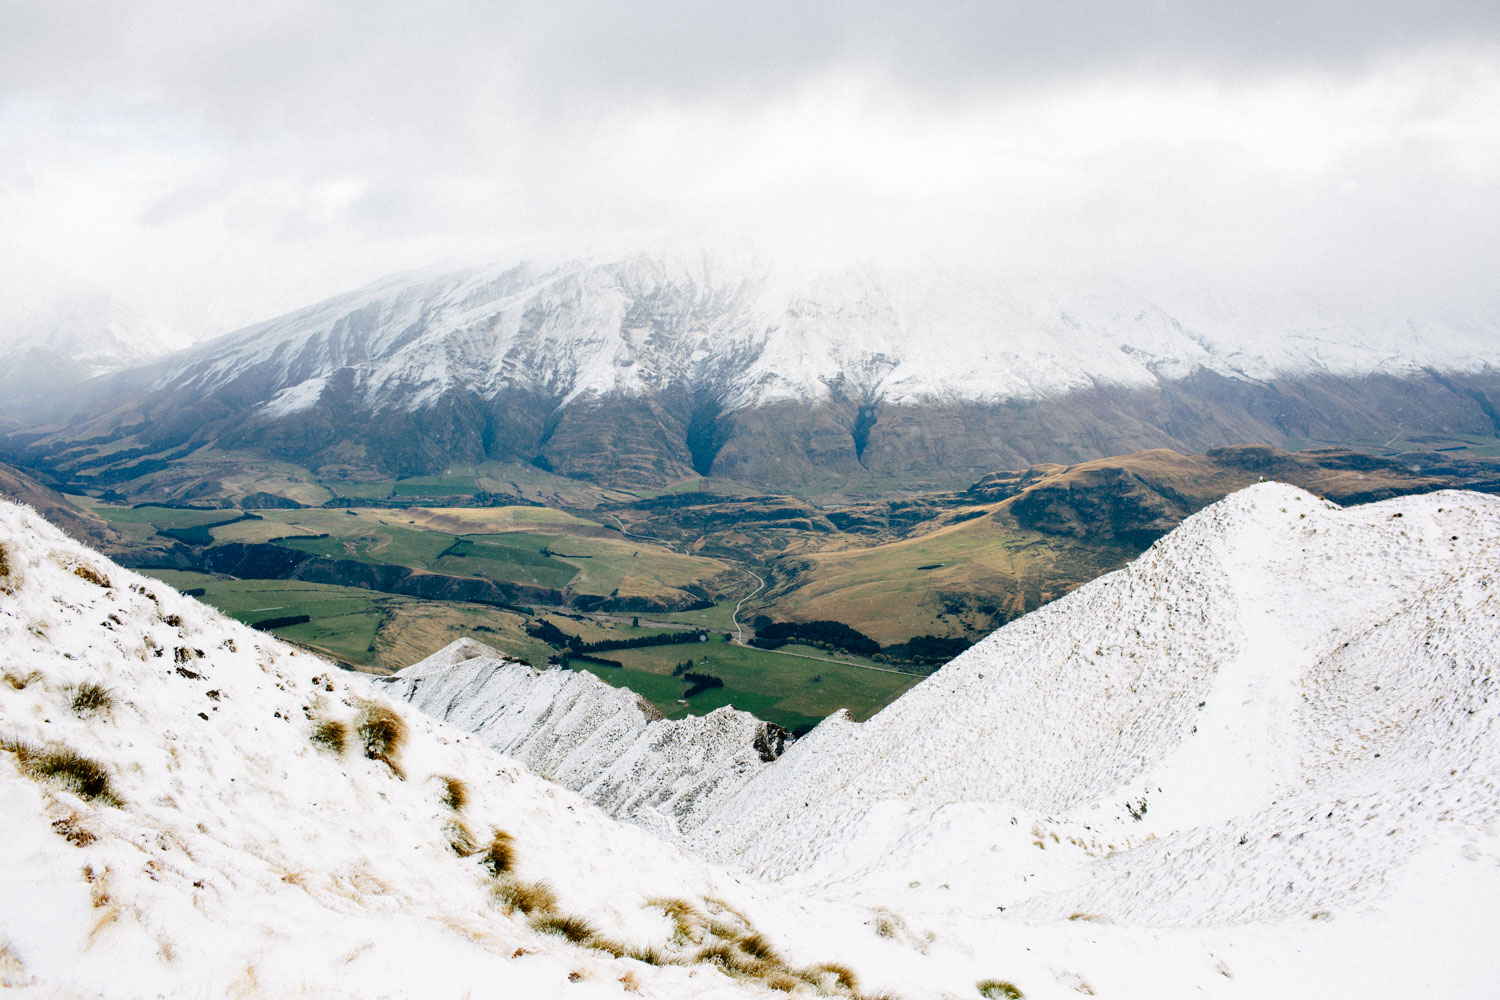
x=1273 y=649
x=638 y=324
x=602 y=741
x=1294 y=699
x=173 y=828
x=1273 y=729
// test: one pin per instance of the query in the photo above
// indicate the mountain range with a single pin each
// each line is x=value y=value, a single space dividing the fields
x=640 y=372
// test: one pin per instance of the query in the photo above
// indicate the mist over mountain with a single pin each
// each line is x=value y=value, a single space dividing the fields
x=641 y=370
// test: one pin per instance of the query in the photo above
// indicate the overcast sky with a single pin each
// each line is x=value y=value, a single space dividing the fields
x=217 y=163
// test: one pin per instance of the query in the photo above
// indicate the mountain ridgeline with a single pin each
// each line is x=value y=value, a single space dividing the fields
x=636 y=373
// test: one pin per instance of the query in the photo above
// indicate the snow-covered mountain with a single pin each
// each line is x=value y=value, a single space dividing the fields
x=649 y=369
x=1274 y=726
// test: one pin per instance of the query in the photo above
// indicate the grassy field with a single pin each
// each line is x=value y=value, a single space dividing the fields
x=942 y=581
x=789 y=690
x=435 y=486
x=532 y=545
x=379 y=632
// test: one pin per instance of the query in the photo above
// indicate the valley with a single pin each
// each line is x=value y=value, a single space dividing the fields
x=854 y=599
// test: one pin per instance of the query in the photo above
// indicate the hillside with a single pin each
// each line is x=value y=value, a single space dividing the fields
x=192 y=808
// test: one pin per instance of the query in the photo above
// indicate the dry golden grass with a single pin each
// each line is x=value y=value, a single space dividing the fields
x=527 y=897
x=88 y=699
x=999 y=989
x=331 y=734
x=455 y=794
x=382 y=732
x=63 y=766
x=499 y=854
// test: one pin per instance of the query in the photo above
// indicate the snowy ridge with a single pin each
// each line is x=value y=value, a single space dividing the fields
x=604 y=742
x=1272 y=708
x=231 y=855
x=1270 y=743
x=636 y=325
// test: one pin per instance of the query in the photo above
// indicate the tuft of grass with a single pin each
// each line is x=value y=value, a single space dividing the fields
x=833 y=974
x=527 y=897
x=330 y=734
x=755 y=945
x=460 y=840
x=999 y=989
x=383 y=732
x=5 y=581
x=455 y=794
x=574 y=929
x=88 y=699
x=20 y=682
x=499 y=854
x=649 y=955
x=61 y=765
x=86 y=572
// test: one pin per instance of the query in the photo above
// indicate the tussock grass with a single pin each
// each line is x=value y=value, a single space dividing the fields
x=6 y=583
x=460 y=840
x=832 y=975
x=455 y=794
x=383 y=733
x=527 y=897
x=88 y=573
x=330 y=734
x=649 y=955
x=20 y=682
x=88 y=699
x=999 y=989
x=574 y=929
x=63 y=766
x=755 y=945
x=499 y=854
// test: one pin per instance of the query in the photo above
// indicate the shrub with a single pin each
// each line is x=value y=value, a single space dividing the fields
x=527 y=897
x=999 y=989
x=88 y=699
x=455 y=794
x=382 y=731
x=330 y=734
x=81 y=775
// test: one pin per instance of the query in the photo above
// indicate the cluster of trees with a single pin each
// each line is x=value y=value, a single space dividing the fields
x=698 y=683
x=922 y=650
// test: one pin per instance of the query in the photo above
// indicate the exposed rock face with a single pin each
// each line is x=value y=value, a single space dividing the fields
x=604 y=742
x=638 y=372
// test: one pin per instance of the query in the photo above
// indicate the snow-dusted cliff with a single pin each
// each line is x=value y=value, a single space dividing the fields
x=604 y=742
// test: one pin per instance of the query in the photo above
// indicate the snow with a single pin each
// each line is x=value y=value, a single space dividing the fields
x=1260 y=760
x=1270 y=735
x=582 y=330
x=243 y=860
x=604 y=742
